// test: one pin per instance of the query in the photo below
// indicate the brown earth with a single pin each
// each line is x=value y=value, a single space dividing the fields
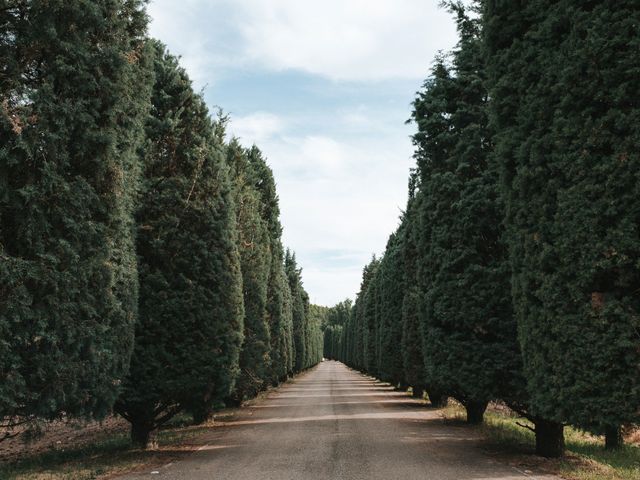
x=60 y=435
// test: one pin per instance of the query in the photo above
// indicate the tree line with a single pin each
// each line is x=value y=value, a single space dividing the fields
x=514 y=274
x=142 y=270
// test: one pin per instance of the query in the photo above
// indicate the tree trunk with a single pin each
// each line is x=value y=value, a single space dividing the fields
x=549 y=439
x=613 y=437
x=437 y=399
x=475 y=411
x=200 y=415
x=141 y=435
x=417 y=392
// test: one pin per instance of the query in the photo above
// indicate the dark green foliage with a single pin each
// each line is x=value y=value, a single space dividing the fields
x=278 y=300
x=332 y=342
x=315 y=323
x=254 y=243
x=281 y=321
x=370 y=311
x=366 y=315
x=412 y=338
x=392 y=290
x=74 y=90
x=363 y=327
x=320 y=314
x=300 y=311
x=470 y=346
x=514 y=274
x=336 y=320
x=565 y=78
x=190 y=314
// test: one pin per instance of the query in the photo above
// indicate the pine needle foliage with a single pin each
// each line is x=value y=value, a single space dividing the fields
x=254 y=244
x=564 y=78
x=74 y=91
x=470 y=345
x=190 y=323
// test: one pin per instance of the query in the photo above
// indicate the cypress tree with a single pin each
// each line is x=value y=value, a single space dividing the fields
x=279 y=299
x=371 y=324
x=317 y=321
x=356 y=335
x=346 y=339
x=74 y=90
x=337 y=319
x=255 y=260
x=413 y=358
x=332 y=342
x=300 y=308
x=362 y=330
x=392 y=292
x=190 y=312
x=470 y=332
x=279 y=308
x=564 y=79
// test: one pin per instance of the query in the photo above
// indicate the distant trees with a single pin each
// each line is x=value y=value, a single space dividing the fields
x=334 y=322
x=299 y=309
x=522 y=230
x=127 y=218
x=307 y=334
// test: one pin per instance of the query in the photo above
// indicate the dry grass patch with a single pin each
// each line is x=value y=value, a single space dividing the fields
x=586 y=457
x=106 y=457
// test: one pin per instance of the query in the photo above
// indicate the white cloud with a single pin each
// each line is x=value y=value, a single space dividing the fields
x=202 y=32
x=325 y=286
x=339 y=201
x=256 y=127
x=356 y=40
x=341 y=168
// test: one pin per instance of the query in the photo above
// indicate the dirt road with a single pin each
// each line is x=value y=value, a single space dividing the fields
x=333 y=423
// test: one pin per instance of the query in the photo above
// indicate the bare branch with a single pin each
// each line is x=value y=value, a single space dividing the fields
x=528 y=427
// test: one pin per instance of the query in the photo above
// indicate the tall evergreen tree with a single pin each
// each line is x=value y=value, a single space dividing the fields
x=564 y=78
x=471 y=347
x=190 y=313
x=279 y=299
x=300 y=309
x=255 y=257
x=74 y=90
x=316 y=321
x=371 y=323
x=337 y=319
x=361 y=329
x=413 y=359
x=392 y=292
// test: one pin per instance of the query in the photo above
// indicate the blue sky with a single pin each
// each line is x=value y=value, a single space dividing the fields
x=324 y=89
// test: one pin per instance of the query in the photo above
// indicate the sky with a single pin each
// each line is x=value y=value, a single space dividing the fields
x=324 y=89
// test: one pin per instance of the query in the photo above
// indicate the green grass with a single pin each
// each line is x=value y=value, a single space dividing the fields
x=110 y=455
x=586 y=457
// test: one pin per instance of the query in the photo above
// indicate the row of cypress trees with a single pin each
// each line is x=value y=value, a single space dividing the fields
x=141 y=264
x=514 y=272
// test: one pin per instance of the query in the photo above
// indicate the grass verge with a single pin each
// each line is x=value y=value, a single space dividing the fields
x=586 y=457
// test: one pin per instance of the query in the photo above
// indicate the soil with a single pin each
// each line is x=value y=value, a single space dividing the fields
x=60 y=435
